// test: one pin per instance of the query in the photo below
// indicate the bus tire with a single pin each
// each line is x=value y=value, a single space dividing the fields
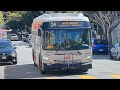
x=15 y=62
x=84 y=70
x=43 y=71
x=33 y=55
x=111 y=56
x=35 y=64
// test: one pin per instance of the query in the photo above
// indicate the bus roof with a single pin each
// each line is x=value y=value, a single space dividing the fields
x=61 y=17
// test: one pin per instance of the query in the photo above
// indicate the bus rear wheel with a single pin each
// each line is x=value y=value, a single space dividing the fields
x=35 y=64
x=33 y=55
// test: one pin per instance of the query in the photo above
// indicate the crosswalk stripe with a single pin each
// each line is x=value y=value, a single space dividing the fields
x=52 y=78
x=87 y=77
x=116 y=76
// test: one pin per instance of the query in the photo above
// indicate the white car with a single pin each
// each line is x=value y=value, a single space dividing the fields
x=25 y=38
x=13 y=37
x=115 y=52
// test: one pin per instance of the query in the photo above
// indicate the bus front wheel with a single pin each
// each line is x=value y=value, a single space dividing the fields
x=84 y=70
x=43 y=71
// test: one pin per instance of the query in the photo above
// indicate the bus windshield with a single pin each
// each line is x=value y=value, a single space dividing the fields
x=67 y=39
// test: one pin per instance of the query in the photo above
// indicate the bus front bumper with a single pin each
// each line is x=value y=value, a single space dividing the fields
x=78 y=66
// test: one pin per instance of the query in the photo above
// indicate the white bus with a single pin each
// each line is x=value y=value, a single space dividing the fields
x=62 y=41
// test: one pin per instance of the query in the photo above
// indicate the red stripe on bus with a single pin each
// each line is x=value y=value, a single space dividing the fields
x=36 y=25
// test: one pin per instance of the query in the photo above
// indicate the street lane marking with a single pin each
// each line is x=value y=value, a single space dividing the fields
x=116 y=76
x=52 y=78
x=87 y=77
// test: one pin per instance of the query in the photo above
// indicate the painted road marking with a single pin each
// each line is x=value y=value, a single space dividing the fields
x=116 y=76
x=87 y=77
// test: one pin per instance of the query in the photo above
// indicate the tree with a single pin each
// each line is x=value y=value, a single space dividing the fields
x=108 y=20
x=1 y=18
x=11 y=16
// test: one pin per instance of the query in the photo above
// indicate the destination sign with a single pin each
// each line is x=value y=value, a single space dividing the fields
x=66 y=24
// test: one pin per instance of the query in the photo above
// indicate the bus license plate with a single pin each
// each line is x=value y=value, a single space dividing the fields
x=100 y=49
x=4 y=57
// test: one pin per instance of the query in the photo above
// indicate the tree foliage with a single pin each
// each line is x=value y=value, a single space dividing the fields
x=22 y=19
x=108 y=20
x=1 y=18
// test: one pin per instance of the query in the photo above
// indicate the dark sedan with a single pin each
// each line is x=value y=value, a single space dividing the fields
x=8 y=53
x=99 y=45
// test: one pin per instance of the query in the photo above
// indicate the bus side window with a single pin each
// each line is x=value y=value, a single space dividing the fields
x=39 y=32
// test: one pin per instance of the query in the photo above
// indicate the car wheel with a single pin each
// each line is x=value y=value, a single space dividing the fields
x=117 y=56
x=15 y=62
x=106 y=53
x=111 y=57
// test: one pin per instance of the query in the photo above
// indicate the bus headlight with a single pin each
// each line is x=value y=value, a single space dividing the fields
x=45 y=58
x=89 y=57
x=13 y=54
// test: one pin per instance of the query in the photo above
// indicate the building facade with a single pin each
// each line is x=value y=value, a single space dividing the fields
x=116 y=35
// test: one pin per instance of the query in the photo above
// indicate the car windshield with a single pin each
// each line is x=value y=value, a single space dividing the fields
x=100 y=42
x=5 y=44
x=66 y=39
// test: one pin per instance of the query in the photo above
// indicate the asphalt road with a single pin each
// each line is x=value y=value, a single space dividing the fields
x=103 y=68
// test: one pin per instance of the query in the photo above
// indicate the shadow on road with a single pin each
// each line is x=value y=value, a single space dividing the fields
x=100 y=57
x=20 y=71
x=28 y=71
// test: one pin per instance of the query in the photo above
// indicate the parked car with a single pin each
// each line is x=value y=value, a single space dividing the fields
x=99 y=45
x=8 y=53
x=25 y=38
x=115 y=51
x=13 y=37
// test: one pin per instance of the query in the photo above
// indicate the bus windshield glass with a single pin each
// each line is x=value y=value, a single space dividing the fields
x=67 y=39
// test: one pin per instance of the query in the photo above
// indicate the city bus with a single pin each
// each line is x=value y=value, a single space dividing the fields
x=62 y=41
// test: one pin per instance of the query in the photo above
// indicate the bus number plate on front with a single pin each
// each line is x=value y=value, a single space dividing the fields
x=4 y=57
